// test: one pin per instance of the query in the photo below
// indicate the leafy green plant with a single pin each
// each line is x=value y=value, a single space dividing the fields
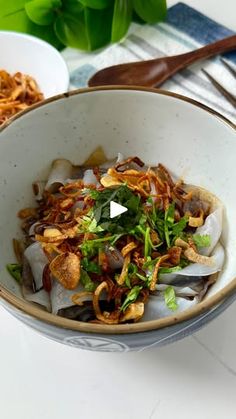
x=83 y=24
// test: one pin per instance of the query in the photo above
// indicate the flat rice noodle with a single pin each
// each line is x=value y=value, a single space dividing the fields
x=38 y=188
x=61 y=297
x=37 y=261
x=197 y=270
x=110 y=163
x=61 y=171
x=157 y=309
x=212 y=227
x=32 y=230
x=28 y=288
x=179 y=291
x=90 y=178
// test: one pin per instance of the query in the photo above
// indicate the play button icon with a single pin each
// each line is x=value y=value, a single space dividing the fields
x=116 y=209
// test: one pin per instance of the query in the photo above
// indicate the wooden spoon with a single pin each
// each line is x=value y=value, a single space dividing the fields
x=154 y=72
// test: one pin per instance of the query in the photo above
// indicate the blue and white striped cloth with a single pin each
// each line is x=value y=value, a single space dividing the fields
x=185 y=29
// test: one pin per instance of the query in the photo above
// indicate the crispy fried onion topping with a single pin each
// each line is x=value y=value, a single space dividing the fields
x=66 y=269
x=133 y=312
x=191 y=254
x=155 y=272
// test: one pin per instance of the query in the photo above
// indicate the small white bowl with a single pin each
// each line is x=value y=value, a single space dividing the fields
x=37 y=58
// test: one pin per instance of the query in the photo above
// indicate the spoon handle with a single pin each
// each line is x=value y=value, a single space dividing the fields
x=207 y=51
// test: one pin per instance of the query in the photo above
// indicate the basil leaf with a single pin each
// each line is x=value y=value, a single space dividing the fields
x=131 y=297
x=71 y=30
x=13 y=16
x=15 y=270
x=11 y=7
x=71 y=8
x=122 y=16
x=87 y=282
x=42 y=12
x=96 y=4
x=170 y=298
x=70 y=27
x=202 y=241
x=150 y=11
x=98 y=27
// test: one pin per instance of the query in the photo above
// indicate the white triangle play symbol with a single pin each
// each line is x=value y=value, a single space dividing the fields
x=116 y=209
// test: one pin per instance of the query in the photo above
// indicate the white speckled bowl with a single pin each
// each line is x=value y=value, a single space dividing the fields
x=188 y=138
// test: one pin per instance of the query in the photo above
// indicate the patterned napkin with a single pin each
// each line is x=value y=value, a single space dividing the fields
x=185 y=29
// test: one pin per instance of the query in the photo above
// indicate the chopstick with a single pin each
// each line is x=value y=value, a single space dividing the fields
x=229 y=67
x=220 y=88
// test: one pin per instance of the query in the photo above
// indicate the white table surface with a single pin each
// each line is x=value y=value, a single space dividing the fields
x=192 y=379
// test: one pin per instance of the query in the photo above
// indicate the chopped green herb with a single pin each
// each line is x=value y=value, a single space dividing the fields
x=169 y=222
x=90 y=266
x=202 y=241
x=89 y=224
x=170 y=298
x=164 y=270
x=131 y=297
x=87 y=282
x=147 y=243
x=15 y=270
x=180 y=226
x=90 y=248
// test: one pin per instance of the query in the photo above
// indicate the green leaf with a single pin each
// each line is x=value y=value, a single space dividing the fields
x=69 y=25
x=131 y=297
x=87 y=282
x=42 y=12
x=96 y=4
x=150 y=11
x=122 y=16
x=71 y=31
x=98 y=27
x=15 y=270
x=180 y=226
x=168 y=222
x=170 y=298
x=71 y=8
x=202 y=241
x=163 y=270
x=91 y=266
x=13 y=17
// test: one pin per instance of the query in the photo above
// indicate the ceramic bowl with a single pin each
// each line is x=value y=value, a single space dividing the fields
x=37 y=58
x=190 y=139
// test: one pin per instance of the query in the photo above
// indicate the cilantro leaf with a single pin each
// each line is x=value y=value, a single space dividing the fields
x=202 y=241
x=164 y=270
x=87 y=282
x=131 y=297
x=180 y=226
x=15 y=270
x=89 y=248
x=123 y=196
x=169 y=222
x=170 y=298
x=89 y=224
x=90 y=266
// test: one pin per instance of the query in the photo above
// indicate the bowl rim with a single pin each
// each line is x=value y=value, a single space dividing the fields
x=52 y=319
